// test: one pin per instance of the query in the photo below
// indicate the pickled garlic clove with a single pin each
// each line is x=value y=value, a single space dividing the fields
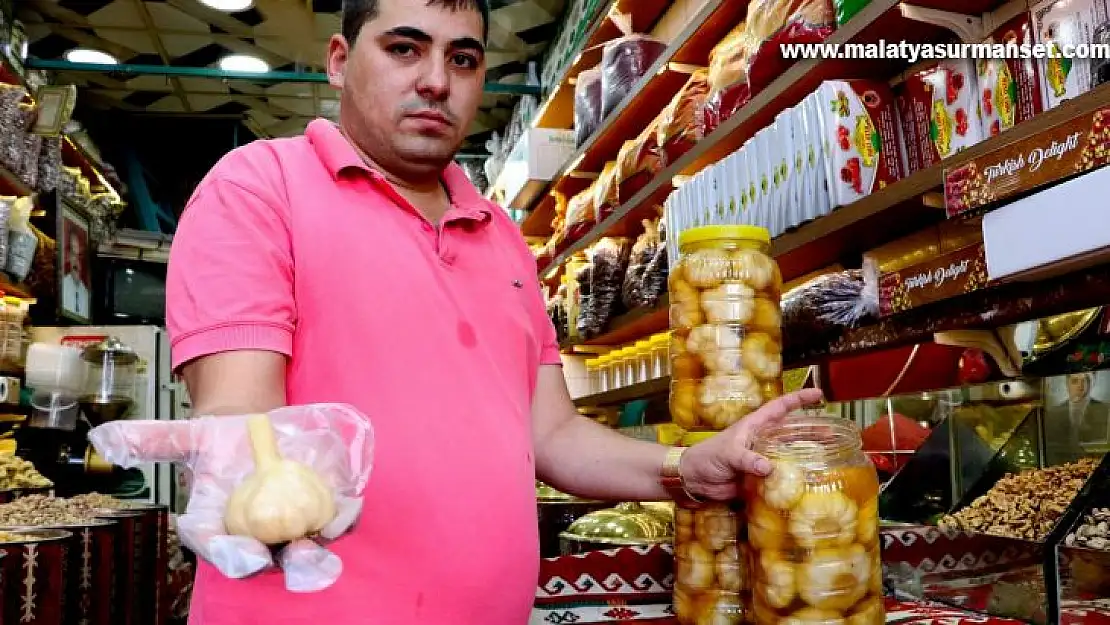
x=867 y=527
x=686 y=314
x=778 y=579
x=767 y=317
x=684 y=405
x=706 y=339
x=824 y=519
x=685 y=605
x=694 y=564
x=813 y=616
x=715 y=526
x=720 y=608
x=766 y=527
x=686 y=367
x=731 y=568
x=756 y=268
x=725 y=362
x=784 y=486
x=762 y=356
x=706 y=269
x=731 y=302
x=876 y=582
x=870 y=611
x=835 y=579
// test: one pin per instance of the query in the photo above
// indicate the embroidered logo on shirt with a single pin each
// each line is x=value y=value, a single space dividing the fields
x=518 y=284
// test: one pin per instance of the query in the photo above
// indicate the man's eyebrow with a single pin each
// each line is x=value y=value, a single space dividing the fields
x=409 y=32
x=468 y=43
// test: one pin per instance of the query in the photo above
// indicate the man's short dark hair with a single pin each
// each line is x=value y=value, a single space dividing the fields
x=358 y=12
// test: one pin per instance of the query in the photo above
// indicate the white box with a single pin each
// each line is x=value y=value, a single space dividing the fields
x=538 y=156
x=1061 y=229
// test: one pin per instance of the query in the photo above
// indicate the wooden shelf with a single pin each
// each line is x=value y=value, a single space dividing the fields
x=631 y=326
x=639 y=108
x=881 y=19
x=626 y=394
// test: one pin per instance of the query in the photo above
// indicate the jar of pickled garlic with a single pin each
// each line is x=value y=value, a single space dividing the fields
x=726 y=326
x=711 y=561
x=643 y=360
x=813 y=526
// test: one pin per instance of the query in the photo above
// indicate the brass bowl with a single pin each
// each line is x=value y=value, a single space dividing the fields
x=626 y=524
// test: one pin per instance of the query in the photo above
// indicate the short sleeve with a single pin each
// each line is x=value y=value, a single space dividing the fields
x=537 y=308
x=230 y=274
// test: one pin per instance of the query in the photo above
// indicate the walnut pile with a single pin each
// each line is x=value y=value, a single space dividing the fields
x=41 y=511
x=98 y=501
x=1094 y=532
x=1026 y=505
x=15 y=472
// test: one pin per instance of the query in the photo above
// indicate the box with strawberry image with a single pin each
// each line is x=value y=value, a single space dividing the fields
x=939 y=107
x=1010 y=88
x=859 y=121
x=1062 y=23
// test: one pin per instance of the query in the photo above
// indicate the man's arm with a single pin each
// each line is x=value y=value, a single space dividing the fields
x=236 y=382
x=584 y=458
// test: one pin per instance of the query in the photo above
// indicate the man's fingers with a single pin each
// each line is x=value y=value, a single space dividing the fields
x=747 y=461
x=780 y=408
x=130 y=443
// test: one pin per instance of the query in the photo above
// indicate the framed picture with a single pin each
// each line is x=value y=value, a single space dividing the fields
x=74 y=273
x=55 y=107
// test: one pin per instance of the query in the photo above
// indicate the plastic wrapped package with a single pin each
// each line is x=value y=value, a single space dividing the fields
x=676 y=128
x=727 y=81
x=642 y=252
x=334 y=440
x=606 y=191
x=28 y=166
x=587 y=104
x=558 y=224
x=624 y=62
x=773 y=23
x=654 y=282
x=581 y=216
x=638 y=161
x=825 y=306
x=608 y=259
x=586 y=320
x=22 y=241
x=13 y=127
x=50 y=164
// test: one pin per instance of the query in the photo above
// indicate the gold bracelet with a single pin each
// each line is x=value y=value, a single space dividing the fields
x=670 y=475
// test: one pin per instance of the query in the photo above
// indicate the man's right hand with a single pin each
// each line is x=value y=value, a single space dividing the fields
x=334 y=440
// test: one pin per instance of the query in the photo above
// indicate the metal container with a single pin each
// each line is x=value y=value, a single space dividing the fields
x=32 y=578
x=89 y=571
x=110 y=384
x=627 y=524
x=141 y=563
x=556 y=512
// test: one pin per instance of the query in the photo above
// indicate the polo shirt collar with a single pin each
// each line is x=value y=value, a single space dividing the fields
x=338 y=155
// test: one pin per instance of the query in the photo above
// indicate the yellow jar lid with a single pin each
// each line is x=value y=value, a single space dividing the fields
x=713 y=233
x=693 y=438
x=643 y=345
x=658 y=340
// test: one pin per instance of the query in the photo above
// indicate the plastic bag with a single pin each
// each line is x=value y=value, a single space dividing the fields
x=638 y=259
x=782 y=22
x=638 y=161
x=605 y=198
x=654 y=281
x=608 y=258
x=581 y=216
x=676 y=130
x=587 y=105
x=727 y=80
x=624 y=62
x=825 y=306
x=335 y=440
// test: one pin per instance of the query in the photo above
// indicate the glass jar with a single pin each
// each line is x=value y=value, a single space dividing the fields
x=813 y=526
x=659 y=344
x=593 y=376
x=643 y=361
x=616 y=368
x=726 y=326
x=711 y=562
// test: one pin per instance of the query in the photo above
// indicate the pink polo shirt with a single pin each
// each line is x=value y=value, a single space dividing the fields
x=296 y=246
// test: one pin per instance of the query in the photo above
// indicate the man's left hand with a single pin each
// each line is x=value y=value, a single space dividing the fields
x=716 y=468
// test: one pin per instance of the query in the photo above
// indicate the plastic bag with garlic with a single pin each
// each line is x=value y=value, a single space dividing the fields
x=333 y=441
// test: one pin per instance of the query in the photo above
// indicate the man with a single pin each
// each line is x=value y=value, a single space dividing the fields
x=357 y=264
x=1078 y=426
x=75 y=292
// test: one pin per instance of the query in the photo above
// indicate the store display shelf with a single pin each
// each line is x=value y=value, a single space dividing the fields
x=626 y=394
x=631 y=326
x=558 y=110
x=648 y=97
x=879 y=20
x=11 y=289
x=10 y=184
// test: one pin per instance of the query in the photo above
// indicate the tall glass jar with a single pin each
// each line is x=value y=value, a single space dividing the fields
x=813 y=526
x=711 y=563
x=726 y=325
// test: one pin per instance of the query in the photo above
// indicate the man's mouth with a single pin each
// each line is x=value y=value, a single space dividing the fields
x=432 y=116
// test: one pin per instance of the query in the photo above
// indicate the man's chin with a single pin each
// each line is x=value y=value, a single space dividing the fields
x=427 y=153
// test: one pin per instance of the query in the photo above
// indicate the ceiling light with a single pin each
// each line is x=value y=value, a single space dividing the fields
x=86 y=55
x=228 y=6
x=244 y=63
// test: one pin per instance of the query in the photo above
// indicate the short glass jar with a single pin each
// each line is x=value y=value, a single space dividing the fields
x=813 y=526
x=726 y=326
x=711 y=562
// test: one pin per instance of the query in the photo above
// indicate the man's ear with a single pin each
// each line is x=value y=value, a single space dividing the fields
x=338 y=54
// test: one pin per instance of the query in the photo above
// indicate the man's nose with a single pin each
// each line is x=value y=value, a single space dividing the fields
x=435 y=81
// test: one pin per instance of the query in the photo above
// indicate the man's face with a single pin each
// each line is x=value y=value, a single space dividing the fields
x=411 y=83
x=1078 y=387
